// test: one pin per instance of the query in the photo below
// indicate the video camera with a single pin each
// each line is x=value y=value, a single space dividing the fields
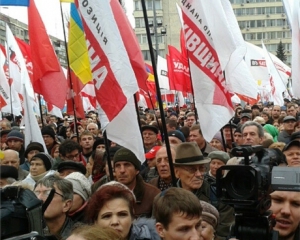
x=247 y=188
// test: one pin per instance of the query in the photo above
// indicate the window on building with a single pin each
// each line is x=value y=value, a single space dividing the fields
x=137 y=5
x=158 y=4
x=149 y=5
x=146 y=54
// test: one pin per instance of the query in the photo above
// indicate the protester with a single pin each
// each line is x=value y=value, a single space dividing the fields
x=150 y=135
x=292 y=153
x=93 y=128
x=96 y=166
x=15 y=141
x=228 y=131
x=49 y=138
x=150 y=171
x=197 y=137
x=217 y=142
x=11 y=158
x=218 y=159
x=3 y=138
x=56 y=215
x=288 y=128
x=112 y=206
x=176 y=137
x=164 y=179
x=67 y=167
x=190 y=168
x=190 y=119
x=86 y=141
x=127 y=168
x=210 y=219
x=81 y=194
x=178 y=215
x=272 y=130
x=40 y=167
x=253 y=133
x=32 y=149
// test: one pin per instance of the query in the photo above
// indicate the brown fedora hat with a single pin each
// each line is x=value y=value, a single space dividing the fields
x=189 y=154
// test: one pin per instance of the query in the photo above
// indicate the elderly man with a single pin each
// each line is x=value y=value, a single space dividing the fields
x=56 y=215
x=286 y=208
x=127 y=167
x=164 y=179
x=190 y=168
x=93 y=128
x=292 y=153
x=289 y=123
x=149 y=133
x=11 y=158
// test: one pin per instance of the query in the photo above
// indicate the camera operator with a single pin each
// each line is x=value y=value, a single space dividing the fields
x=286 y=208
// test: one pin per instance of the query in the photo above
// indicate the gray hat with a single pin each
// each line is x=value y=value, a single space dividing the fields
x=189 y=153
x=295 y=143
x=289 y=118
x=219 y=155
x=209 y=214
x=81 y=184
x=247 y=115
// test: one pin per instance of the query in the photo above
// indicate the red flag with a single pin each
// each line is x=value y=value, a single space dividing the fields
x=26 y=51
x=180 y=71
x=170 y=72
x=47 y=72
x=131 y=44
x=183 y=44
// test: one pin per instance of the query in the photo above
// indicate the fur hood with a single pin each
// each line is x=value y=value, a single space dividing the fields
x=144 y=229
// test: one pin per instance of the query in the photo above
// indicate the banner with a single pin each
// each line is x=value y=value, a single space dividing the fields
x=113 y=77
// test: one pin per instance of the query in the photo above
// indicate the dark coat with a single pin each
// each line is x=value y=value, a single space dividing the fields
x=144 y=194
x=283 y=136
x=226 y=212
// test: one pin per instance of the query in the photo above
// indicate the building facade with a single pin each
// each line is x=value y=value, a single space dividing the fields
x=258 y=20
x=20 y=30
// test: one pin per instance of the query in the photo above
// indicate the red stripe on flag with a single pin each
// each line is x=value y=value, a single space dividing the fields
x=205 y=58
x=110 y=95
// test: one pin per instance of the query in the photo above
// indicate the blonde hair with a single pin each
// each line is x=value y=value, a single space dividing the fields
x=92 y=232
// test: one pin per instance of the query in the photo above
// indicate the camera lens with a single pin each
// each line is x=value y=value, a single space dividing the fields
x=241 y=184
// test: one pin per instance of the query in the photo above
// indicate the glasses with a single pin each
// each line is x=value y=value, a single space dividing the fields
x=194 y=169
x=46 y=193
x=70 y=156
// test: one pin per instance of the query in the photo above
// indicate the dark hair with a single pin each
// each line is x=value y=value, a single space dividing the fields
x=175 y=200
x=172 y=123
x=186 y=131
x=107 y=193
x=68 y=146
x=98 y=170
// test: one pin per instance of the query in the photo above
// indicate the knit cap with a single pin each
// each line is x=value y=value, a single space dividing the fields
x=15 y=135
x=46 y=158
x=209 y=214
x=81 y=184
x=177 y=134
x=219 y=155
x=126 y=155
x=48 y=131
x=218 y=136
x=33 y=146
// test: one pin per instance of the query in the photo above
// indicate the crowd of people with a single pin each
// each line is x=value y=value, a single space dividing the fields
x=138 y=199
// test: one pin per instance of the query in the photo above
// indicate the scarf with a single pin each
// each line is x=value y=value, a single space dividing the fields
x=38 y=177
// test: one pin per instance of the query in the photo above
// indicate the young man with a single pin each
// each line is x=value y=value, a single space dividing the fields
x=178 y=215
x=86 y=141
x=286 y=208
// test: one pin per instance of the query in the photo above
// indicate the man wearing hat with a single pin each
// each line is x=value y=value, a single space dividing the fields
x=176 y=137
x=8 y=175
x=228 y=131
x=15 y=141
x=190 y=168
x=3 y=137
x=150 y=172
x=81 y=194
x=245 y=117
x=49 y=137
x=288 y=128
x=11 y=158
x=67 y=167
x=127 y=168
x=149 y=133
x=292 y=153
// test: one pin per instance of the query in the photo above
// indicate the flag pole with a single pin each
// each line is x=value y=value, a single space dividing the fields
x=165 y=132
x=9 y=82
x=41 y=112
x=110 y=169
x=137 y=112
x=69 y=73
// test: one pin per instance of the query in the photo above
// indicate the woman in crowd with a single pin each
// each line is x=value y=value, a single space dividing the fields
x=96 y=166
x=40 y=166
x=32 y=149
x=216 y=142
x=112 y=206
x=271 y=130
x=210 y=218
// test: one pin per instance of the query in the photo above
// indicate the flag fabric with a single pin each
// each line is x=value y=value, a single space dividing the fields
x=32 y=132
x=288 y=6
x=131 y=44
x=113 y=76
x=212 y=98
x=180 y=71
x=10 y=100
x=77 y=49
x=162 y=73
x=230 y=46
x=296 y=49
x=24 y=3
x=276 y=83
x=54 y=111
x=47 y=72
x=256 y=62
x=150 y=73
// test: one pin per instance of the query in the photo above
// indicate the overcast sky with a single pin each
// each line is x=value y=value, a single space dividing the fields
x=50 y=13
